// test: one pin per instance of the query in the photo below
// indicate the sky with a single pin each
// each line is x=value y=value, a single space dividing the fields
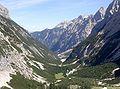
x=37 y=15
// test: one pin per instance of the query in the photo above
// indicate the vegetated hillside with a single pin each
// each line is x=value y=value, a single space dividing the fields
x=27 y=64
x=24 y=62
x=69 y=33
x=96 y=60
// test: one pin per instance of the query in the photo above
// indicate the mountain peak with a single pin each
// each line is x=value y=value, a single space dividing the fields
x=116 y=0
x=63 y=24
x=4 y=11
x=100 y=14
x=80 y=17
x=113 y=8
x=102 y=10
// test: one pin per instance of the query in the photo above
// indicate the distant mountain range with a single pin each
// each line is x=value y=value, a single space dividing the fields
x=93 y=43
x=88 y=46
x=68 y=34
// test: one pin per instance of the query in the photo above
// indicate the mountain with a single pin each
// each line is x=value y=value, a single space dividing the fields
x=24 y=62
x=4 y=11
x=49 y=37
x=94 y=63
x=69 y=33
x=100 y=14
x=103 y=44
x=97 y=58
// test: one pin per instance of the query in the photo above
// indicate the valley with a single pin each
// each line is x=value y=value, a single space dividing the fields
x=83 y=53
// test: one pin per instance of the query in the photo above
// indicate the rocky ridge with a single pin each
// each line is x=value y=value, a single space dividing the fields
x=68 y=34
x=102 y=46
x=21 y=54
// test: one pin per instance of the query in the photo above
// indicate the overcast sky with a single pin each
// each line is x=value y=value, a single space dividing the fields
x=36 y=15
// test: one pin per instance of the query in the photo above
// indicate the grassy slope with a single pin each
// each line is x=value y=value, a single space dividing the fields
x=19 y=82
x=91 y=75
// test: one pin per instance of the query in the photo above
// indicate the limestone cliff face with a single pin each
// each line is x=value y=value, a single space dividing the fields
x=68 y=34
x=4 y=11
x=103 y=44
x=20 y=54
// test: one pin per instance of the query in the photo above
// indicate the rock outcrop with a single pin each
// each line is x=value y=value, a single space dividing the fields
x=4 y=11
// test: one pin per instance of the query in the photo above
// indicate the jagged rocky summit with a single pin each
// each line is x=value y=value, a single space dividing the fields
x=66 y=35
x=103 y=44
x=4 y=11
